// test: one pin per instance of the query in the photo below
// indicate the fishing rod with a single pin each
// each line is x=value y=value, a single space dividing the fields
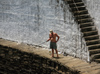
x=42 y=43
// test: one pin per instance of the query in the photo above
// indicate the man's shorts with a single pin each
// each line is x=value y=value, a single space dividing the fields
x=53 y=45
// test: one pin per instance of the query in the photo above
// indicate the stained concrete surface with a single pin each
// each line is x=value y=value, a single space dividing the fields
x=74 y=64
x=14 y=61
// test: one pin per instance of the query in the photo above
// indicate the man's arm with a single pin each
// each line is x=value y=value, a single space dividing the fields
x=57 y=37
x=49 y=38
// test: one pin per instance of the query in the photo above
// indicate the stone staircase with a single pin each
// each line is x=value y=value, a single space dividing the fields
x=88 y=28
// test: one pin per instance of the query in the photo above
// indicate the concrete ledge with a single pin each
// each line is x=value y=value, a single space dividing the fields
x=64 y=63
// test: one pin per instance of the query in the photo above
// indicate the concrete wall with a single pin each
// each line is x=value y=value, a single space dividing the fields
x=93 y=7
x=29 y=21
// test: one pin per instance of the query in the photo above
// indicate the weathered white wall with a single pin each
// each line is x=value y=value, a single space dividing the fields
x=29 y=21
x=93 y=7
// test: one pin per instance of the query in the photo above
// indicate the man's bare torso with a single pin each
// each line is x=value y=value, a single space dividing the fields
x=53 y=37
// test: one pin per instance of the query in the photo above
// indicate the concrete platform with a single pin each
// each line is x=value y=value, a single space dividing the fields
x=68 y=61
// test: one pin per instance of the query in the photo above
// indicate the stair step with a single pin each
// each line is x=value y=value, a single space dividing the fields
x=81 y=11
x=97 y=60
x=84 y=20
x=78 y=13
x=96 y=46
x=78 y=8
x=90 y=28
x=93 y=37
x=95 y=56
x=73 y=1
x=92 y=42
x=76 y=4
x=86 y=24
x=96 y=51
x=90 y=33
x=82 y=15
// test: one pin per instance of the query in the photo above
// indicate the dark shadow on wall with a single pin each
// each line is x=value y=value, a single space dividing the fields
x=13 y=61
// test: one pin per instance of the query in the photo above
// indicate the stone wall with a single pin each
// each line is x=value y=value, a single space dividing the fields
x=29 y=21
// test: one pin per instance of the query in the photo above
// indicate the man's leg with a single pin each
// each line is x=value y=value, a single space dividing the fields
x=52 y=52
x=56 y=52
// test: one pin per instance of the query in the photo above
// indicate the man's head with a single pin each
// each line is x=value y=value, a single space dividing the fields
x=51 y=31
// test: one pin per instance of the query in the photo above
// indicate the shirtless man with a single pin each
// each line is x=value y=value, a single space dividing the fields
x=53 y=41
